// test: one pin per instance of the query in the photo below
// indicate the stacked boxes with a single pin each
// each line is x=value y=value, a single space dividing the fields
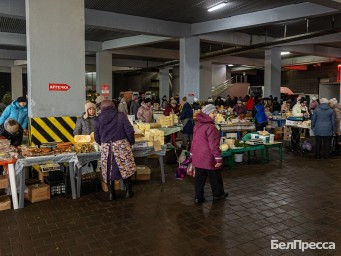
x=286 y=133
x=154 y=135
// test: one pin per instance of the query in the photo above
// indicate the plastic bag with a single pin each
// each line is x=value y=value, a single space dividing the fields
x=182 y=156
x=87 y=168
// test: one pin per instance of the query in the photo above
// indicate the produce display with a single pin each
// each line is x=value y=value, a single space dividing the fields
x=166 y=121
x=84 y=143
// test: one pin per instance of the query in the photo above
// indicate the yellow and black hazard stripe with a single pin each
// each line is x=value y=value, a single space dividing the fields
x=50 y=129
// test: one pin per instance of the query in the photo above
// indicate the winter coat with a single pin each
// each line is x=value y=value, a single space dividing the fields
x=296 y=110
x=250 y=104
x=258 y=113
x=239 y=109
x=276 y=106
x=16 y=139
x=112 y=126
x=196 y=105
x=205 y=149
x=16 y=112
x=323 y=121
x=134 y=107
x=186 y=117
x=123 y=107
x=169 y=109
x=337 y=114
x=84 y=126
x=164 y=104
x=145 y=113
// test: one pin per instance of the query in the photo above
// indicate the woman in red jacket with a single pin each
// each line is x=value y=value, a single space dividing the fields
x=206 y=155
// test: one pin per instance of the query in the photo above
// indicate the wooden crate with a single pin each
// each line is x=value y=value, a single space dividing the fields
x=5 y=203
x=142 y=172
x=38 y=192
x=3 y=181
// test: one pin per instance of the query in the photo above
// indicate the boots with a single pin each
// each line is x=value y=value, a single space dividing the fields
x=111 y=188
x=129 y=188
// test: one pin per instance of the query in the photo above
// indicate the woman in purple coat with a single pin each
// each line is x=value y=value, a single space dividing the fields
x=206 y=155
x=115 y=134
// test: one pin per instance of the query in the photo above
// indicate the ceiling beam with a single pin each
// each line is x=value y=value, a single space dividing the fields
x=329 y=3
x=12 y=9
x=238 y=61
x=12 y=39
x=12 y=55
x=132 y=41
x=318 y=50
x=305 y=60
x=280 y=14
x=122 y=22
x=235 y=38
x=332 y=38
x=148 y=52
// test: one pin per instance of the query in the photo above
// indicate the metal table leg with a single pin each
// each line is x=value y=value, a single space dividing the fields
x=22 y=186
x=163 y=180
x=72 y=180
x=11 y=173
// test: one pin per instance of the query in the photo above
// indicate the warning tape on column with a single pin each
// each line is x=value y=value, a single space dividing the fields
x=50 y=129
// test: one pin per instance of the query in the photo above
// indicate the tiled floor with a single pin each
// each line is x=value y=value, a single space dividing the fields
x=299 y=200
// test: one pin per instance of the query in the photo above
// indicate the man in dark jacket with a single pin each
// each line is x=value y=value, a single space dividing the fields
x=186 y=116
x=323 y=126
x=12 y=131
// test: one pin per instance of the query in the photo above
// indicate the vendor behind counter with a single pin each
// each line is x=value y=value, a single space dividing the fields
x=12 y=131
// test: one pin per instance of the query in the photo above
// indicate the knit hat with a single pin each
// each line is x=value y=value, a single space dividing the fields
x=313 y=98
x=86 y=107
x=324 y=100
x=21 y=99
x=333 y=101
x=210 y=100
x=11 y=126
x=195 y=100
x=208 y=109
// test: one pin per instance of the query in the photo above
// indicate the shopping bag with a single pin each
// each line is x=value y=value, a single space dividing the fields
x=181 y=172
x=87 y=168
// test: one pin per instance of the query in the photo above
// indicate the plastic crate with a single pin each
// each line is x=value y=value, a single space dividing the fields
x=90 y=183
x=58 y=189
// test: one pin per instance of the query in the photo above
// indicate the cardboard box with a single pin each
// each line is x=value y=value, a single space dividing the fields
x=5 y=203
x=3 y=181
x=142 y=172
x=38 y=192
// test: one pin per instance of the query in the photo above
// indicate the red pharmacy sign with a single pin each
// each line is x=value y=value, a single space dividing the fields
x=58 y=87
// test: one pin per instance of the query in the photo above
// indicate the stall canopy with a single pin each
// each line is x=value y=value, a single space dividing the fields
x=286 y=90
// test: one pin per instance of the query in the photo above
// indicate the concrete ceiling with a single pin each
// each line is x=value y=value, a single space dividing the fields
x=143 y=33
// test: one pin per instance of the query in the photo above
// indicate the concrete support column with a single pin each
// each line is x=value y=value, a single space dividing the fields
x=55 y=57
x=104 y=71
x=164 y=82
x=218 y=74
x=205 y=80
x=189 y=68
x=16 y=82
x=272 y=74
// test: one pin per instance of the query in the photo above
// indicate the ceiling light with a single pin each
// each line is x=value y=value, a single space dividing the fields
x=285 y=53
x=216 y=7
x=230 y=65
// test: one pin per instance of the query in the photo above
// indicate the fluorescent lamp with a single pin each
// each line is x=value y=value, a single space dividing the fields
x=285 y=53
x=216 y=7
x=230 y=65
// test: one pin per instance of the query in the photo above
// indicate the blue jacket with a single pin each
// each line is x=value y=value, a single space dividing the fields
x=186 y=116
x=15 y=111
x=323 y=121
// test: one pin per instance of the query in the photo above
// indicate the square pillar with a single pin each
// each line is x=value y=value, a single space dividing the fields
x=272 y=73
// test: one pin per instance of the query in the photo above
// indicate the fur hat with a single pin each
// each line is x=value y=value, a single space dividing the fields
x=333 y=101
x=99 y=99
x=86 y=107
x=11 y=126
x=313 y=98
x=324 y=100
x=208 y=109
